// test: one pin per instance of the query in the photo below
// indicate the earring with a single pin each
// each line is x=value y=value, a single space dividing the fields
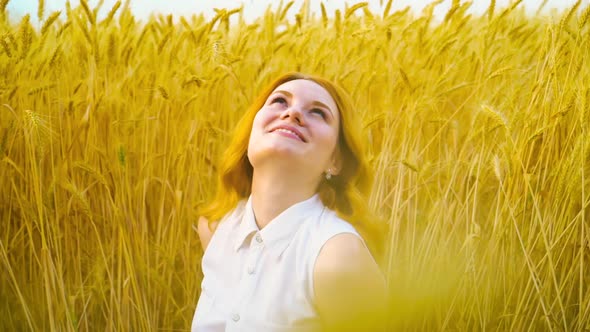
x=328 y=174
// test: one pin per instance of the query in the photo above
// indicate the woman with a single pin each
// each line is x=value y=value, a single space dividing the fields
x=282 y=257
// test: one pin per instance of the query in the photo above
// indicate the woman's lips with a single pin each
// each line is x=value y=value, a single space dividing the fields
x=288 y=132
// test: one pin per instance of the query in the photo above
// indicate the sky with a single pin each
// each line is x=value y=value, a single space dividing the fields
x=255 y=8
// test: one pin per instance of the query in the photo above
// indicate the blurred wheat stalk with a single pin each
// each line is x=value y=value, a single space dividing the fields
x=478 y=128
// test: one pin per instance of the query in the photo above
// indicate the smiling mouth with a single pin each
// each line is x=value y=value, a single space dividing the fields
x=288 y=133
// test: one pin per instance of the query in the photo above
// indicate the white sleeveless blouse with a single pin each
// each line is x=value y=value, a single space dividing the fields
x=262 y=280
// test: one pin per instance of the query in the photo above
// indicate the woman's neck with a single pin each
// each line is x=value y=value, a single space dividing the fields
x=274 y=192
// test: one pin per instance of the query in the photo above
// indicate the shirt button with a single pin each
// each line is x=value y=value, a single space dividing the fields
x=258 y=238
x=235 y=317
x=250 y=270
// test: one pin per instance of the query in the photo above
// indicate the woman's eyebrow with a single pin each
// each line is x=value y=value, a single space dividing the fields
x=314 y=103
x=289 y=94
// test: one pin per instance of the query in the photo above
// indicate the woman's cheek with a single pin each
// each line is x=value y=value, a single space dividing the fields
x=258 y=128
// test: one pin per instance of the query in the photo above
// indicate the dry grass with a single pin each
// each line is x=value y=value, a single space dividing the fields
x=478 y=128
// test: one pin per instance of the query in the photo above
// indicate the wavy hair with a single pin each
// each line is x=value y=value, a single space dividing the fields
x=345 y=193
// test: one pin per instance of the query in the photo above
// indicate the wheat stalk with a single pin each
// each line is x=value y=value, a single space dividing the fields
x=26 y=36
x=354 y=8
x=3 y=4
x=387 y=9
x=5 y=47
x=568 y=16
x=49 y=21
x=584 y=17
x=112 y=13
x=491 y=9
x=88 y=12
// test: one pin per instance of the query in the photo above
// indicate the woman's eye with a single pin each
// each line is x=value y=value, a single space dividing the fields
x=279 y=100
x=320 y=112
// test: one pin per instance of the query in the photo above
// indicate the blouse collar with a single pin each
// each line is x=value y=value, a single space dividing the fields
x=279 y=232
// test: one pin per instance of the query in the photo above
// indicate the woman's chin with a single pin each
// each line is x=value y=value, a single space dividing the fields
x=276 y=153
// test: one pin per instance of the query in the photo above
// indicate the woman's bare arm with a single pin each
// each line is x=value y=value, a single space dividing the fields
x=349 y=287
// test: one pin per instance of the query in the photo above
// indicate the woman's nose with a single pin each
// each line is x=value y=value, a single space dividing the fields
x=294 y=113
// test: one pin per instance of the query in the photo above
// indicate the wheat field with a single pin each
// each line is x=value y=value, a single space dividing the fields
x=477 y=127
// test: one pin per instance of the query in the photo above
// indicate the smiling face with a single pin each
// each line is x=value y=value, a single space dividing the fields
x=299 y=123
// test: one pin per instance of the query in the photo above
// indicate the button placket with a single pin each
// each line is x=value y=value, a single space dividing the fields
x=253 y=261
x=248 y=282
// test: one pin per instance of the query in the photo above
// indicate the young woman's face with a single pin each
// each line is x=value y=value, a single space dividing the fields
x=298 y=122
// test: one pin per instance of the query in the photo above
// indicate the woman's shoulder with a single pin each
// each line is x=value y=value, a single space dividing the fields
x=340 y=236
x=330 y=224
x=338 y=244
x=332 y=233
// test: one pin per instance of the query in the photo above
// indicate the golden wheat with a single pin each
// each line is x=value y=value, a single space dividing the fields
x=477 y=127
